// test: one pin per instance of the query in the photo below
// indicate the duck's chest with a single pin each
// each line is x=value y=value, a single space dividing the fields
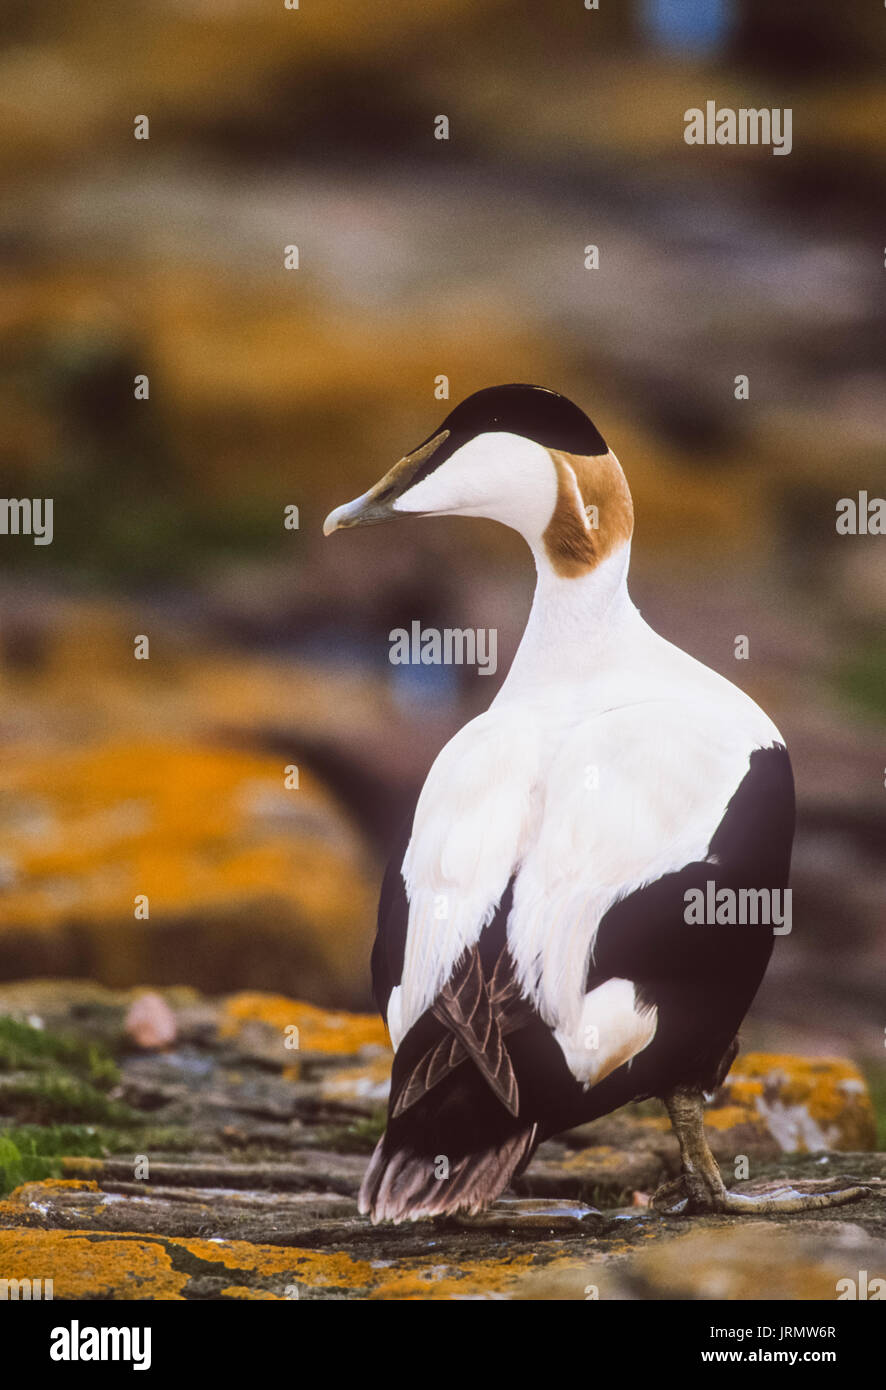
x=572 y=812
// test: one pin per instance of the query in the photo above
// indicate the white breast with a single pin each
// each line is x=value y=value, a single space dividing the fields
x=469 y=831
x=581 y=796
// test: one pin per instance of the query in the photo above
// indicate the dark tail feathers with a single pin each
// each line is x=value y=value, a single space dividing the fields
x=402 y=1185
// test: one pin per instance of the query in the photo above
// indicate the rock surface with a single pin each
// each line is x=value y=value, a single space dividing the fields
x=227 y=1166
x=142 y=842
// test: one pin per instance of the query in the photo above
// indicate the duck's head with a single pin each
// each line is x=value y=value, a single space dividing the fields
x=521 y=455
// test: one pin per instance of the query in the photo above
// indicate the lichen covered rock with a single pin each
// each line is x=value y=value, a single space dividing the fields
x=152 y=860
x=226 y=1165
x=804 y=1104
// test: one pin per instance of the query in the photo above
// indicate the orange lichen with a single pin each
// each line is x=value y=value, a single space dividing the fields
x=131 y=1265
x=830 y=1089
x=83 y=1265
x=240 y=1291
x=310 y=1267
x=331 y=1269
x=10 y=1212
x=31 y=1191
x=601 y=1156
x=658 y=1124
x=319 y=1030
x=82 y=1164
x=177 y=823
x=430 y=1279
x=199 y=831
x=725 y=1117
x=744 y=1092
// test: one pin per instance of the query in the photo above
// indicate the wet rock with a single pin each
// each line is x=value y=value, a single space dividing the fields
x=602 y=1174
x=227 y=1164
x=271 y=1216
x=313 y=1169
x=511 y=1213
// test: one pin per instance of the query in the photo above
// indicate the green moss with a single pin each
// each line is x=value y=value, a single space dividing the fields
x=57 y=1141
x=55 y=1079
x=50 y=1098
x=23 y=1048
x=29 y=1153
x=12 y=1167
x=359 y=1137
x=157 y=1139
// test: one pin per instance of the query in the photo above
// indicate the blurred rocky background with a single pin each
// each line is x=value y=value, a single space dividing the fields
x=272 y=388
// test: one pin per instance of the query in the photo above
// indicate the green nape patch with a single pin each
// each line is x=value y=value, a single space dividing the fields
x=25 y=1048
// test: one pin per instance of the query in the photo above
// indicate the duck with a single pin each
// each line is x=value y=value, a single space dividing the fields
x=540 y=958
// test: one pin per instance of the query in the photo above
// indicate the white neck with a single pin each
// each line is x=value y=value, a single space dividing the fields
x=575 y=626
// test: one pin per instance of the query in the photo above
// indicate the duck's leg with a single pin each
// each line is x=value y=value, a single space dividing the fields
x=700 y=1188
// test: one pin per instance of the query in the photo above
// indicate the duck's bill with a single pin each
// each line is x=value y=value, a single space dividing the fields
x=378 y=503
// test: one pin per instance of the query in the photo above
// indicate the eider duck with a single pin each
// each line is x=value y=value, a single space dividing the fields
x=536 y=961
